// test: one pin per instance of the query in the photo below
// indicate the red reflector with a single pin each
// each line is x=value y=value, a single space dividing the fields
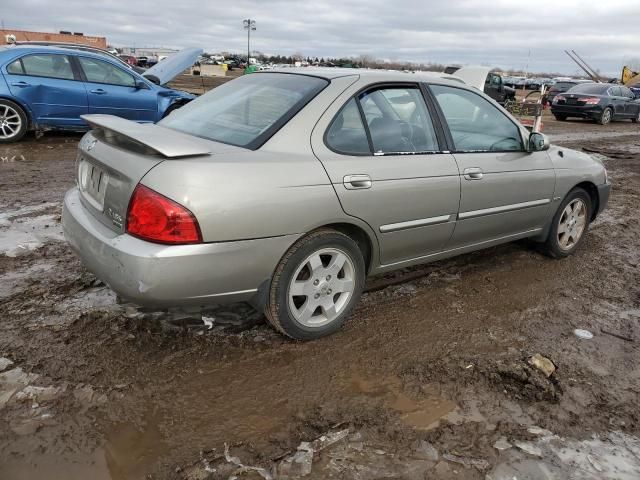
x=155 y=218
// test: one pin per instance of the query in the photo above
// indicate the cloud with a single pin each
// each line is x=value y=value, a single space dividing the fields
x=498 y=33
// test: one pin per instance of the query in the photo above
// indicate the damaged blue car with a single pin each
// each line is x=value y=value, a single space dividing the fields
x=47 y=88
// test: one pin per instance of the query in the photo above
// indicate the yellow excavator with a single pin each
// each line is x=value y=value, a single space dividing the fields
x=629 y=78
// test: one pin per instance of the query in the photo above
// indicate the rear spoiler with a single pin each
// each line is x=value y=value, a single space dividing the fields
x=167 y=142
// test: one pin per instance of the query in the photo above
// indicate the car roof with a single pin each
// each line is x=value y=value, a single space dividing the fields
x=371 y=74
x=19 y=49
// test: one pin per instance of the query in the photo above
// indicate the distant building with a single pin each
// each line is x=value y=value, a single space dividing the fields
x=9 y=35
x=147 y=51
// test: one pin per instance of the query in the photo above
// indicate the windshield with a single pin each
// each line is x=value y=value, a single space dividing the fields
x=593 y=88
x=245 y=112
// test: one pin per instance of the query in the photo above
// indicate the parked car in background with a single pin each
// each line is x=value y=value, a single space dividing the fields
x=142 y=61
x=635 y=89
x=384 y=170
x=515 y=82
x=482 y=78
x=128 y=59
x=557 y=88
x=45 y=88
x=602 y=102
x=536 y=83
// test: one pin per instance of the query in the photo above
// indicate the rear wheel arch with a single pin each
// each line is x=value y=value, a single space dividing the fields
x=358 y=235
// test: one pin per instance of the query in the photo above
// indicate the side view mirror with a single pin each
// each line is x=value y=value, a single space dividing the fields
x=140 y=85
x=538 y=142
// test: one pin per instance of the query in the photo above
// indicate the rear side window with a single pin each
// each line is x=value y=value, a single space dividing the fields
x=475 y=124
x=15 y=68
x=97 y=71
x=53 y=66
x=346 y=133
x=398 y=121
x=615 y=92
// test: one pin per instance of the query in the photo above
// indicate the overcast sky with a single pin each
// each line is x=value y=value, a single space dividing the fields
x=495 y=33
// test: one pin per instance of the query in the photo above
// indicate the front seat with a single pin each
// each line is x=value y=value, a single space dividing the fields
x=386 y=135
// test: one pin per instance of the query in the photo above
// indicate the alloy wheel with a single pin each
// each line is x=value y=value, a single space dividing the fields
x=606 y=116
x=10 y=122
x=321 y=287
x=572 y=224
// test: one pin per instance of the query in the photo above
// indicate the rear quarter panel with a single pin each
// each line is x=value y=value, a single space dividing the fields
x=250 y=194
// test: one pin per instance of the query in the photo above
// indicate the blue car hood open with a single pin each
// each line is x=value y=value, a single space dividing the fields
x=169 y=68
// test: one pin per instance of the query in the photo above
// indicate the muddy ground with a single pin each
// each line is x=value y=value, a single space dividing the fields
x=429 y=379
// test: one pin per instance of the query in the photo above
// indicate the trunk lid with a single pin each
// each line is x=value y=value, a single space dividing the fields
x=169 y=68
x=118 y=153
x=473 y=76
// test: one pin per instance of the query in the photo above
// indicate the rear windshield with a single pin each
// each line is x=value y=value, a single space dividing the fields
x=564 y=85
x=245 y=112
x=594 y=88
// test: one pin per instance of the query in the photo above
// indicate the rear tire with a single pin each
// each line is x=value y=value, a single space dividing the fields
x=569 y=224
x=316 y=285
x=561 y=118
x=13 y=121
x=637 y=117
x=606 y=117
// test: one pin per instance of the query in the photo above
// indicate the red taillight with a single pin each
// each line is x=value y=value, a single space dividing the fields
x=155 y=218
x=559 y=98
x=589 y=100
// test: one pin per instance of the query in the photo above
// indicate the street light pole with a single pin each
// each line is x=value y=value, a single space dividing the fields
x=248 y=26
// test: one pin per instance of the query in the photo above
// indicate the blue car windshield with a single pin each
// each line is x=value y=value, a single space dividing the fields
x=245 y=112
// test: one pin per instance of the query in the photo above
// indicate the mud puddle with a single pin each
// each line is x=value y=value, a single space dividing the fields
x=28 y=228
x=424 y=413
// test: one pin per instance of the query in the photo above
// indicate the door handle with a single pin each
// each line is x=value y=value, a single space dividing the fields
x=20 y=84
x=98 y=91
x=357 y=182
x=473 y=173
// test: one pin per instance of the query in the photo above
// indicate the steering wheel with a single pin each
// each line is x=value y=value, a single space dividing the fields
x=406 y=127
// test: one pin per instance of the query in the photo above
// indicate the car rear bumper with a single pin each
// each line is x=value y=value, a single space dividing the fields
x=171 y=275
x=590 y=111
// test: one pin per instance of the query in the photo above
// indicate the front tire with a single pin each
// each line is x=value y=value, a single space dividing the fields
x=606 y=116
x=637 y=117
x=13 y=121
x=316 y=285
x=569 y=224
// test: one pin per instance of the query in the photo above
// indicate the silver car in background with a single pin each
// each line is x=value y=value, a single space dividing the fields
x=287 y=189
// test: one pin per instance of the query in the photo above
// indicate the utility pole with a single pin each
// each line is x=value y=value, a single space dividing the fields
x=248 y=26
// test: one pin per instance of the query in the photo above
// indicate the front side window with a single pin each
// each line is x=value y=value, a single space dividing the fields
x=97 y=71
x=398 y=121
x=346 y=133
x=475 y=124
x=53 y=66
x=246 y=111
